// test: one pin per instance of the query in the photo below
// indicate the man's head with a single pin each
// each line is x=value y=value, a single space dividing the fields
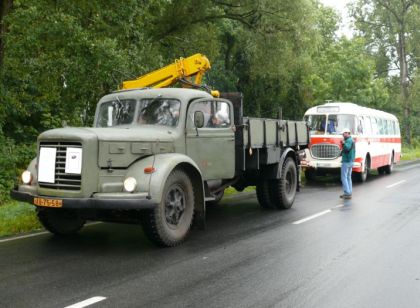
x=346 y=133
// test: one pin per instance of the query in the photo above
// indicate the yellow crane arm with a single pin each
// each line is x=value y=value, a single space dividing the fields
x=184 y=69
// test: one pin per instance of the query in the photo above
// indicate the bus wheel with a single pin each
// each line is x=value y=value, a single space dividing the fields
x=389 y=168
x=362 y=176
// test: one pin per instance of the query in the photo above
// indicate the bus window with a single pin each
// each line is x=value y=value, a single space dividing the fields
x=382 y=125
x=338 y=122
x=375 y=130
x=389 y=130
x=368 y=125
x=360 y=126
x=316 y=123
x=393 y=130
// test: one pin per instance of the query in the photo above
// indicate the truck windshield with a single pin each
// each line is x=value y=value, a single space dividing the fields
x=338 y=122
x=316 y=123
x=116 y=112
x=159 y=111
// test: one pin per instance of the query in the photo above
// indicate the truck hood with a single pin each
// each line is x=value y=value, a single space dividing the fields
x=146 y=133
x=117 y=147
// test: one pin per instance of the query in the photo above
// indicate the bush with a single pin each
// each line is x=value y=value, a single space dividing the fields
x=13 y=160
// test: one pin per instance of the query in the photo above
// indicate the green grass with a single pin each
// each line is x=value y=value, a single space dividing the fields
x=17 y=217
x=410 y=153
x=232 y=191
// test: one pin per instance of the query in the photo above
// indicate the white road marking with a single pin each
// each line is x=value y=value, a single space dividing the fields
x=311 y=217
x=337 y=206
x=88 y=302
x=14 y=238
x=395 y=184
x=22 y=236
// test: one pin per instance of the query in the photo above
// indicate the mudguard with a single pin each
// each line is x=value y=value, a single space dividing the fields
x=163 y=165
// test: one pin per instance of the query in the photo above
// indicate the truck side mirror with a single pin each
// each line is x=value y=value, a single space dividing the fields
x=198 y=119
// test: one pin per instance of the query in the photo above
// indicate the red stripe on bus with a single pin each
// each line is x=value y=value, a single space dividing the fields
x=316 y=140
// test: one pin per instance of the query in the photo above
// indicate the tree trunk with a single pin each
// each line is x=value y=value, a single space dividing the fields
x=404 y=83
x=5 y=7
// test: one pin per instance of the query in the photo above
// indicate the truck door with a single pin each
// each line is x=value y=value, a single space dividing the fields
x=212 y=146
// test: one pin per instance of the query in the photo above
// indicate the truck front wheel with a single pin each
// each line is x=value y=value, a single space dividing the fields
x=168 y=224
x=283 y=190
x=60 y=221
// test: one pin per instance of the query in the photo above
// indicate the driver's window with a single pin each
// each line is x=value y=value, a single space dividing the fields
x=216 y=114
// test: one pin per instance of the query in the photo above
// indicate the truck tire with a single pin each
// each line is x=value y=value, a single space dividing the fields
x=263 y=195
x=310 y=175
x=60 y=221
x=283 y=190
x=168 y=224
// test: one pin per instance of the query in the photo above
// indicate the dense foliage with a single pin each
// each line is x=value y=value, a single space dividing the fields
x=57 y=58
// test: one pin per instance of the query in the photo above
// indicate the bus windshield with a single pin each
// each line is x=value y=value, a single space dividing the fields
x=316 y=123
x=338 y=122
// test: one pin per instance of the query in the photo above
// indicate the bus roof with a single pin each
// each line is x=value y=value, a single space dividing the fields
x=348 y=108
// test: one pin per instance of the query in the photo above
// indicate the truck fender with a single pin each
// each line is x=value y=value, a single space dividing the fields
x=286 y=153
x=163 y=165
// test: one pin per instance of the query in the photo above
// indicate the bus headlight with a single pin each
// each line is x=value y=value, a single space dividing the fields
x=26 y=177
x=130 y=184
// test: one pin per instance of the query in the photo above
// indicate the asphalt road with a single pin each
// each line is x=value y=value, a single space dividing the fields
x=323 y=252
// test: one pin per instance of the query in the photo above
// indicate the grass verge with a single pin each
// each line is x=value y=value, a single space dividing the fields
x=232 y=191
x=17 y=217
x=410 y=153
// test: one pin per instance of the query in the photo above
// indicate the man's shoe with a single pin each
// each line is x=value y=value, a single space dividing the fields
x=345 y=196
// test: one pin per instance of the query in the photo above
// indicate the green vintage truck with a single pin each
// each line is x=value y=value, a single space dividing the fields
x=156 y=157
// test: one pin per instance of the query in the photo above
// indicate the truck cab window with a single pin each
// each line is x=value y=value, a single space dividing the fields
x=159 y=111
x=216 y=114
x=116 y=112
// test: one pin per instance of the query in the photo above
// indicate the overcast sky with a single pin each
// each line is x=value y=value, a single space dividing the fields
x=340 y=7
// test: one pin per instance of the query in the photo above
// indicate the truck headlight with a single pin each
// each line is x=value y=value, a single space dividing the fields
x=26 y=177
x=130 y=184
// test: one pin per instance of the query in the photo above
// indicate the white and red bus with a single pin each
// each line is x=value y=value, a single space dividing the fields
x=376 y=135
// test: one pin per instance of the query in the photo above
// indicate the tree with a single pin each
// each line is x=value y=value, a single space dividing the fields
x=390 y=28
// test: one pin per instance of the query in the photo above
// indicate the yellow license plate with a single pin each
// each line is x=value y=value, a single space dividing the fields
x=48 y=202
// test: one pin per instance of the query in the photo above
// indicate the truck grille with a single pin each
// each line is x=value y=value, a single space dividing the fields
x=63 y=181
x=325 y=151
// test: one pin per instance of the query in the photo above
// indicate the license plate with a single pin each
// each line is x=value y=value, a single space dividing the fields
x=324 y=165
x=48 y=202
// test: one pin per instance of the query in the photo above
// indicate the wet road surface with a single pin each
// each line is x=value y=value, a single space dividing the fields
x=323 y=252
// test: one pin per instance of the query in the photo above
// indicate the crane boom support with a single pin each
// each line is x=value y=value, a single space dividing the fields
x=189 y=70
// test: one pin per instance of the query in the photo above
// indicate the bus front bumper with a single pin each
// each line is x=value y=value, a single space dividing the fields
x=326 y=164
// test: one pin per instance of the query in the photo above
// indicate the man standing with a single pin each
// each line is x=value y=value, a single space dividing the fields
x=348 y=155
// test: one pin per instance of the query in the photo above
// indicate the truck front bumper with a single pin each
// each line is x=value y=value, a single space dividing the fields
x=99 y=201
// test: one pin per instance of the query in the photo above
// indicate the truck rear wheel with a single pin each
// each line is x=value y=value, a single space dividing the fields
x=60 y=221
x=263 y=195
x=283 y=190
x=168 y=224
